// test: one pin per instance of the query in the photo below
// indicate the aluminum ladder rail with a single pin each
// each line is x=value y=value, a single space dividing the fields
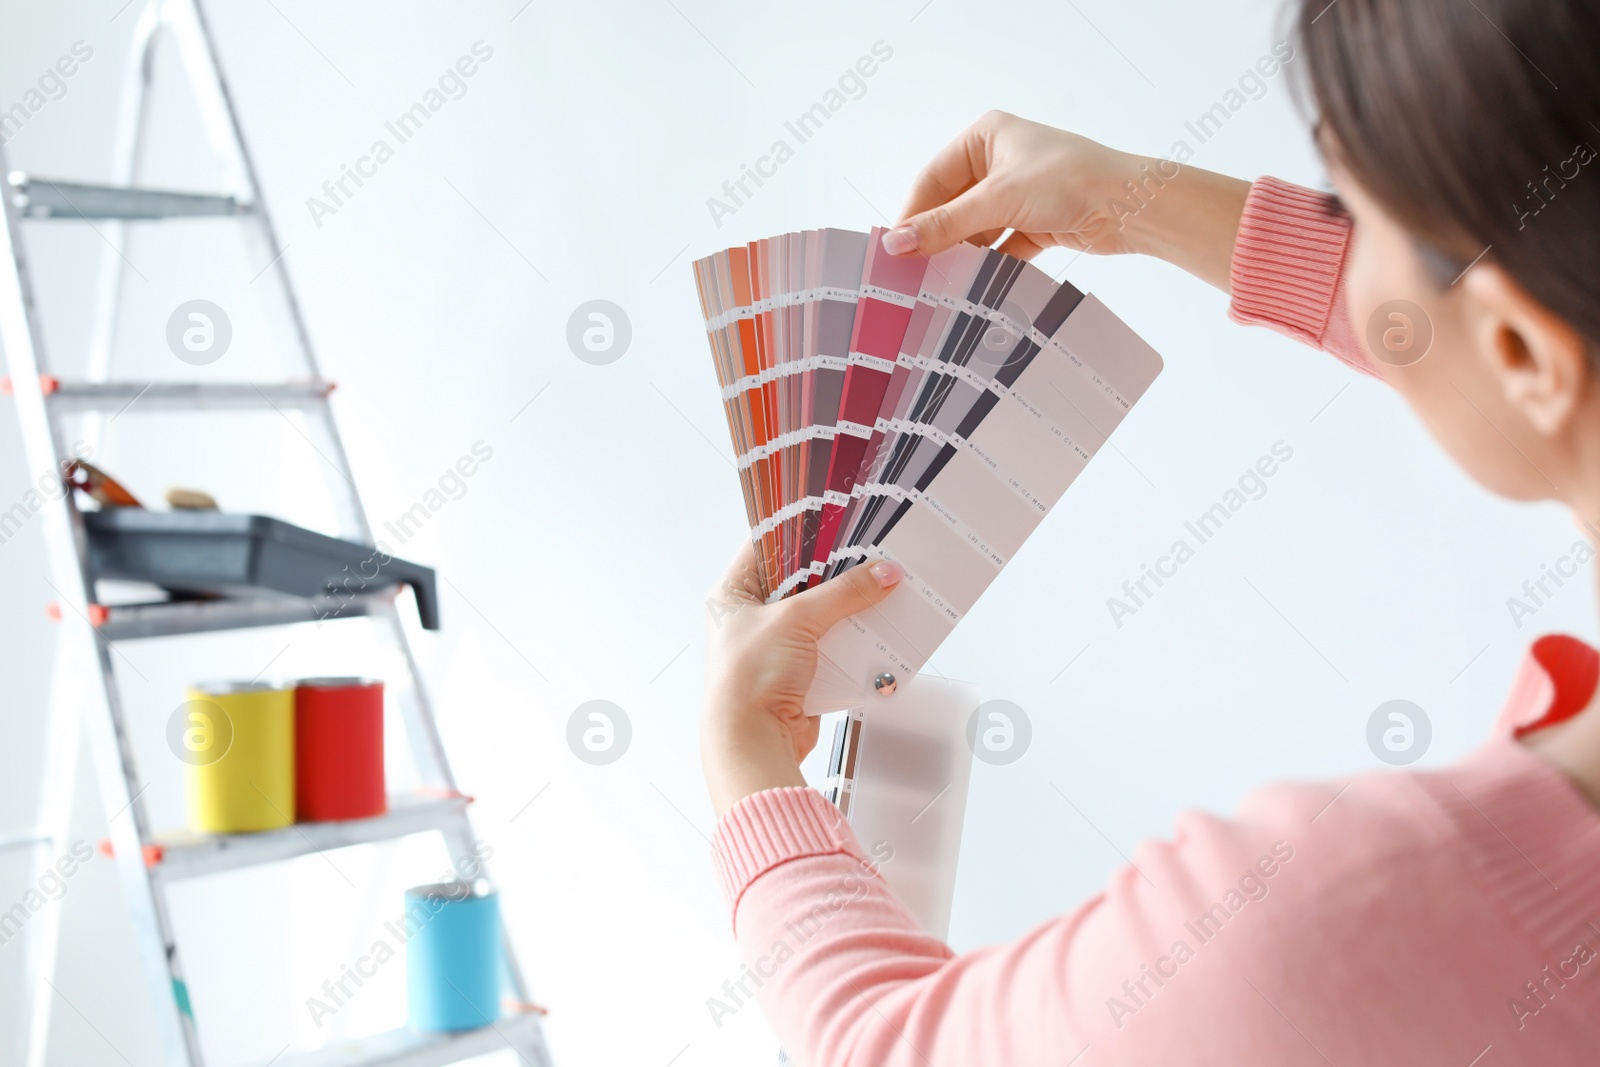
x=85 y=693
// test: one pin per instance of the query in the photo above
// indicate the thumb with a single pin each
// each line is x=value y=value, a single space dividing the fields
x=857 y=589
x=947 y=224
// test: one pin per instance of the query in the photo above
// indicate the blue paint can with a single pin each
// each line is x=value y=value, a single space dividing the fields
x=453 y=956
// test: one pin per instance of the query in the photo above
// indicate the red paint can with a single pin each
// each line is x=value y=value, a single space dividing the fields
x=338 y=749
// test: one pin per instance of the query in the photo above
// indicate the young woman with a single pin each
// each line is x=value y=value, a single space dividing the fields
x=1448 y=918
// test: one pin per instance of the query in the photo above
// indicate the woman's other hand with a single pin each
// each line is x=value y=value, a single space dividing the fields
x=761 y=659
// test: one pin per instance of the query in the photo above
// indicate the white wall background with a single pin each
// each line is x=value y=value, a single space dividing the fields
x=577 y=166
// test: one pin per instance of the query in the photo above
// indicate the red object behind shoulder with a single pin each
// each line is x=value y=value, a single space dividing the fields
x=1573 y=668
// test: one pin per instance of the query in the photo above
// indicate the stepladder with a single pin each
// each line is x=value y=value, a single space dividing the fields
x=84 y=404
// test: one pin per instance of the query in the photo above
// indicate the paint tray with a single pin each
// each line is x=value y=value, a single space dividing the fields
x=214 y=553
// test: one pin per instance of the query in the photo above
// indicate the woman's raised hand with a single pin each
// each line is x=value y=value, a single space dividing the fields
x=1051 y=186
x=1055 y=188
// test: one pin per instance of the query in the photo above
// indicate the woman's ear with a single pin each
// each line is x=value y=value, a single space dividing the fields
x=1541 y=362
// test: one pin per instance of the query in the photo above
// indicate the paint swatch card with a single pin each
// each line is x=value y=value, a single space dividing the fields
x=925 y=410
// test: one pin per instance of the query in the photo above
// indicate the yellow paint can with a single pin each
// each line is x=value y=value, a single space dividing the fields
x=238 y=741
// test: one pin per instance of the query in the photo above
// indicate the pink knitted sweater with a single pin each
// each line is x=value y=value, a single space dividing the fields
x=1449 y=917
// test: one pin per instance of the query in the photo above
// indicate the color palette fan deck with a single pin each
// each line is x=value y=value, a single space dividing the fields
x=929 y=410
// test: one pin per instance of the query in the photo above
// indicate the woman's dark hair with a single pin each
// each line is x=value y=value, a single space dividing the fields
x=1476 y=124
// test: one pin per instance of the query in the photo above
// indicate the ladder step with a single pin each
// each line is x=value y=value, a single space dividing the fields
x=408 y=1048
x=187 y=396
x=25 y=839
x=129 y=622
x=188 y=855
x=46 y=198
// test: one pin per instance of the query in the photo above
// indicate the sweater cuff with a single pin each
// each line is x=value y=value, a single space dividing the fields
x=772 y=827
x=1287 y=260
